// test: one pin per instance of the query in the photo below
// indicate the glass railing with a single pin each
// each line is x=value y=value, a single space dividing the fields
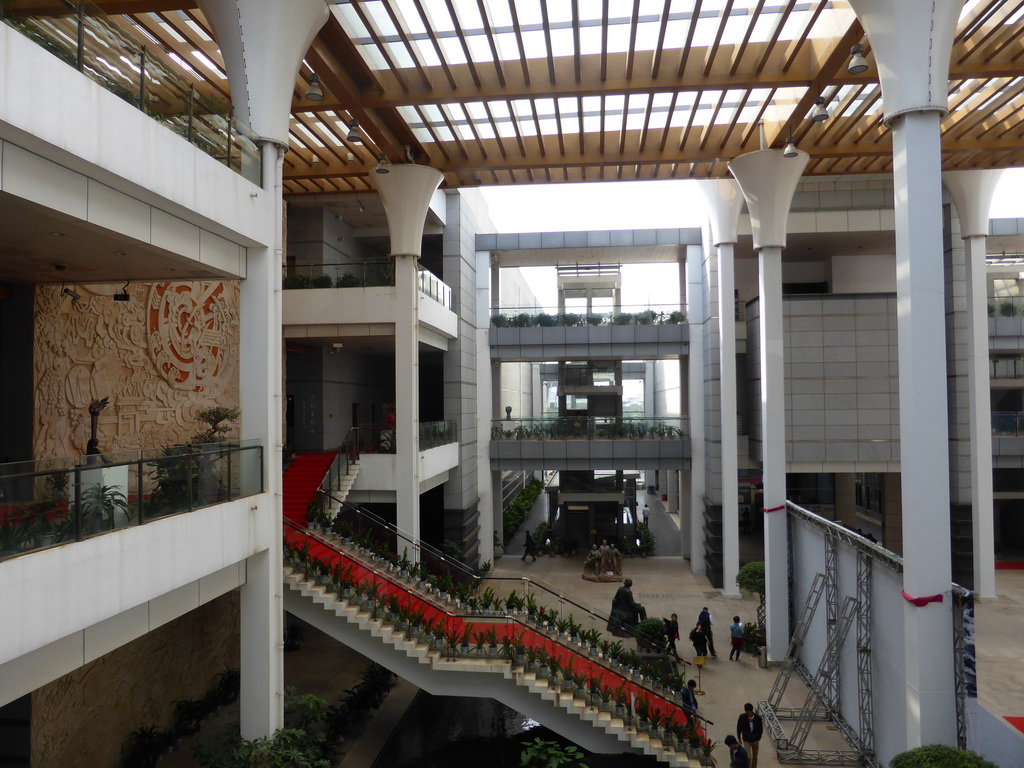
x=546 y=317
x=1006 y=306
x=1006 y=368
x=433 y=287
x=361 y=274
x=569 y=428
x=1007 y=424
x=57 y=501
x=112 y=52
x=376 y=438
x=516 y=620
x=434 y=434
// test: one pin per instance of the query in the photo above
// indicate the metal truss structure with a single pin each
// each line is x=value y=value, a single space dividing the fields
x=864 y=690
x=960 y=597
x=796 y=642
x=831 y=682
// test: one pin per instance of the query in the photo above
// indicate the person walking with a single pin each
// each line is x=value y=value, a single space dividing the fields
x=736 y=632
x=705 y=621
x=699 y=640
x=737 y=754
x=690 y=701
x=672 y=633
x=750 y=729
x=529 y=548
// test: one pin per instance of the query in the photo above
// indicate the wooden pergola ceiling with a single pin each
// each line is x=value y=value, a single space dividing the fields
x=535 y=91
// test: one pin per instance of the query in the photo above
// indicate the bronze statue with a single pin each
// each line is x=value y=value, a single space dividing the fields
x=93 y=447
x=626 y=612
x=602 y=564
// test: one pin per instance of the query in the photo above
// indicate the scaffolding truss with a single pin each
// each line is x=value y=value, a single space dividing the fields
x=864 y=695
x=831 y=683
x=796 y=643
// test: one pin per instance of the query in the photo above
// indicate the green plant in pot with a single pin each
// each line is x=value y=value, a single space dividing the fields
x=751 y=579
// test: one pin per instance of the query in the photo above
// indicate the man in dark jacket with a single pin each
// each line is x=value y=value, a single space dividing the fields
x=705 y=622
x=529 y=547
x=749 y=728
x=737 y=754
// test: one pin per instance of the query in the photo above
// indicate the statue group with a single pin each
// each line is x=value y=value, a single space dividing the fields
x=603 y=563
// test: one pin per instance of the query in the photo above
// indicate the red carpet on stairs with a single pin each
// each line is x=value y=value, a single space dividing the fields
x=301 y=480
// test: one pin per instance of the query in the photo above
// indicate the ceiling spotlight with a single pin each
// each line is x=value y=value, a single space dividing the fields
x=790 y=149
x=820 y=113
x=354 y=135
x=123 y=295
x=382 y=164
x=314 y=92
x=857 y=62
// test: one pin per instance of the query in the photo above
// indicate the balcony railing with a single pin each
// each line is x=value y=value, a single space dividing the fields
x=568 y=428
x=1005 y=306
x=142 y=74
x=57 y=501
x=433 y=287
x=434 y=434
x=361 y=274
x=1007 y=424
x=1006 y=368
x=531 y=317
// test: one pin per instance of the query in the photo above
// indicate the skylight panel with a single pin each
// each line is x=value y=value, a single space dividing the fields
x=399 y=55
x=636 y=111
x=647 y=36
x=479 y=48
x=561 y=42
x=590 y=40
x=202 y=59
x=379 y=18
x=618 y=38
x=529 y=12
x=200 y=32
x=559 y=11
x=735 y=27
x=349 y=19
x=452 y=50
x=499 y=13
x=534 y=45
x=308 y=134
x=183 y=64
x=168 y=29
x=469 y=17
x=426 y=53
x=437 y=12
x=410 y=15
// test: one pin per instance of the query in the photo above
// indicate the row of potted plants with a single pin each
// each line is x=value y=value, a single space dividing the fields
x=571 y=319
x=572 y=428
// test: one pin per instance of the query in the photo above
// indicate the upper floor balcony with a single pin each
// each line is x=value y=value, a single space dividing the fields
x=641 y=332
x=52 y=502
x=114 y=54
x=377 y=447
x=331 y=302
x=590 y=443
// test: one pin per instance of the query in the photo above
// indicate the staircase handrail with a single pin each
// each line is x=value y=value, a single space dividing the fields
x=465 y=574
x=347 y=453
x=464 y=618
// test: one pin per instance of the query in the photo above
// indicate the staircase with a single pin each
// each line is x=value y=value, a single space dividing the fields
x=434 y=667
x=304 y=475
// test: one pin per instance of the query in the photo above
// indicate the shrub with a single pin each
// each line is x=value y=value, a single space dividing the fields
x=751 y=578
x=939 y=756
x=651 y=634
x=322 y=281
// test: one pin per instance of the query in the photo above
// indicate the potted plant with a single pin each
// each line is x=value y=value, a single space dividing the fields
x=621 y=700
x=643 y=708
x=542 y=664
x=707 y=746
x=492 y=642
x=555 y=669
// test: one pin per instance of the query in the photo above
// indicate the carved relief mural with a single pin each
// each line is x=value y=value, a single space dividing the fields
x=168 y=352
x=90 y=712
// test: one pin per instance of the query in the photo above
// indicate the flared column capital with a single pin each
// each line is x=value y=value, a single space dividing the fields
x=263 y=43
x=724 y=202
x=911 y=41
x=768 y=180
x=972 y=193
x=406 y=191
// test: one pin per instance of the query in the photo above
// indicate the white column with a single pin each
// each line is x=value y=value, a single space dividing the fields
x=490 y=524
x=924 y=433
x=260 y=357
x=672 y=477
x=262 y=72
x=406 y=191
x=972 y=193
x=695 y=314
x=768 y=180
x=407 y=395
x=773 y=451
x=730 y=446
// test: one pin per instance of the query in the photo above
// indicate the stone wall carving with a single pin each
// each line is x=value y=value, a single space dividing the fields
x=168 y=352
x=83 y=717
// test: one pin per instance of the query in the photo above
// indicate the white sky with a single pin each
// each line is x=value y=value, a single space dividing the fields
x=639 y=205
